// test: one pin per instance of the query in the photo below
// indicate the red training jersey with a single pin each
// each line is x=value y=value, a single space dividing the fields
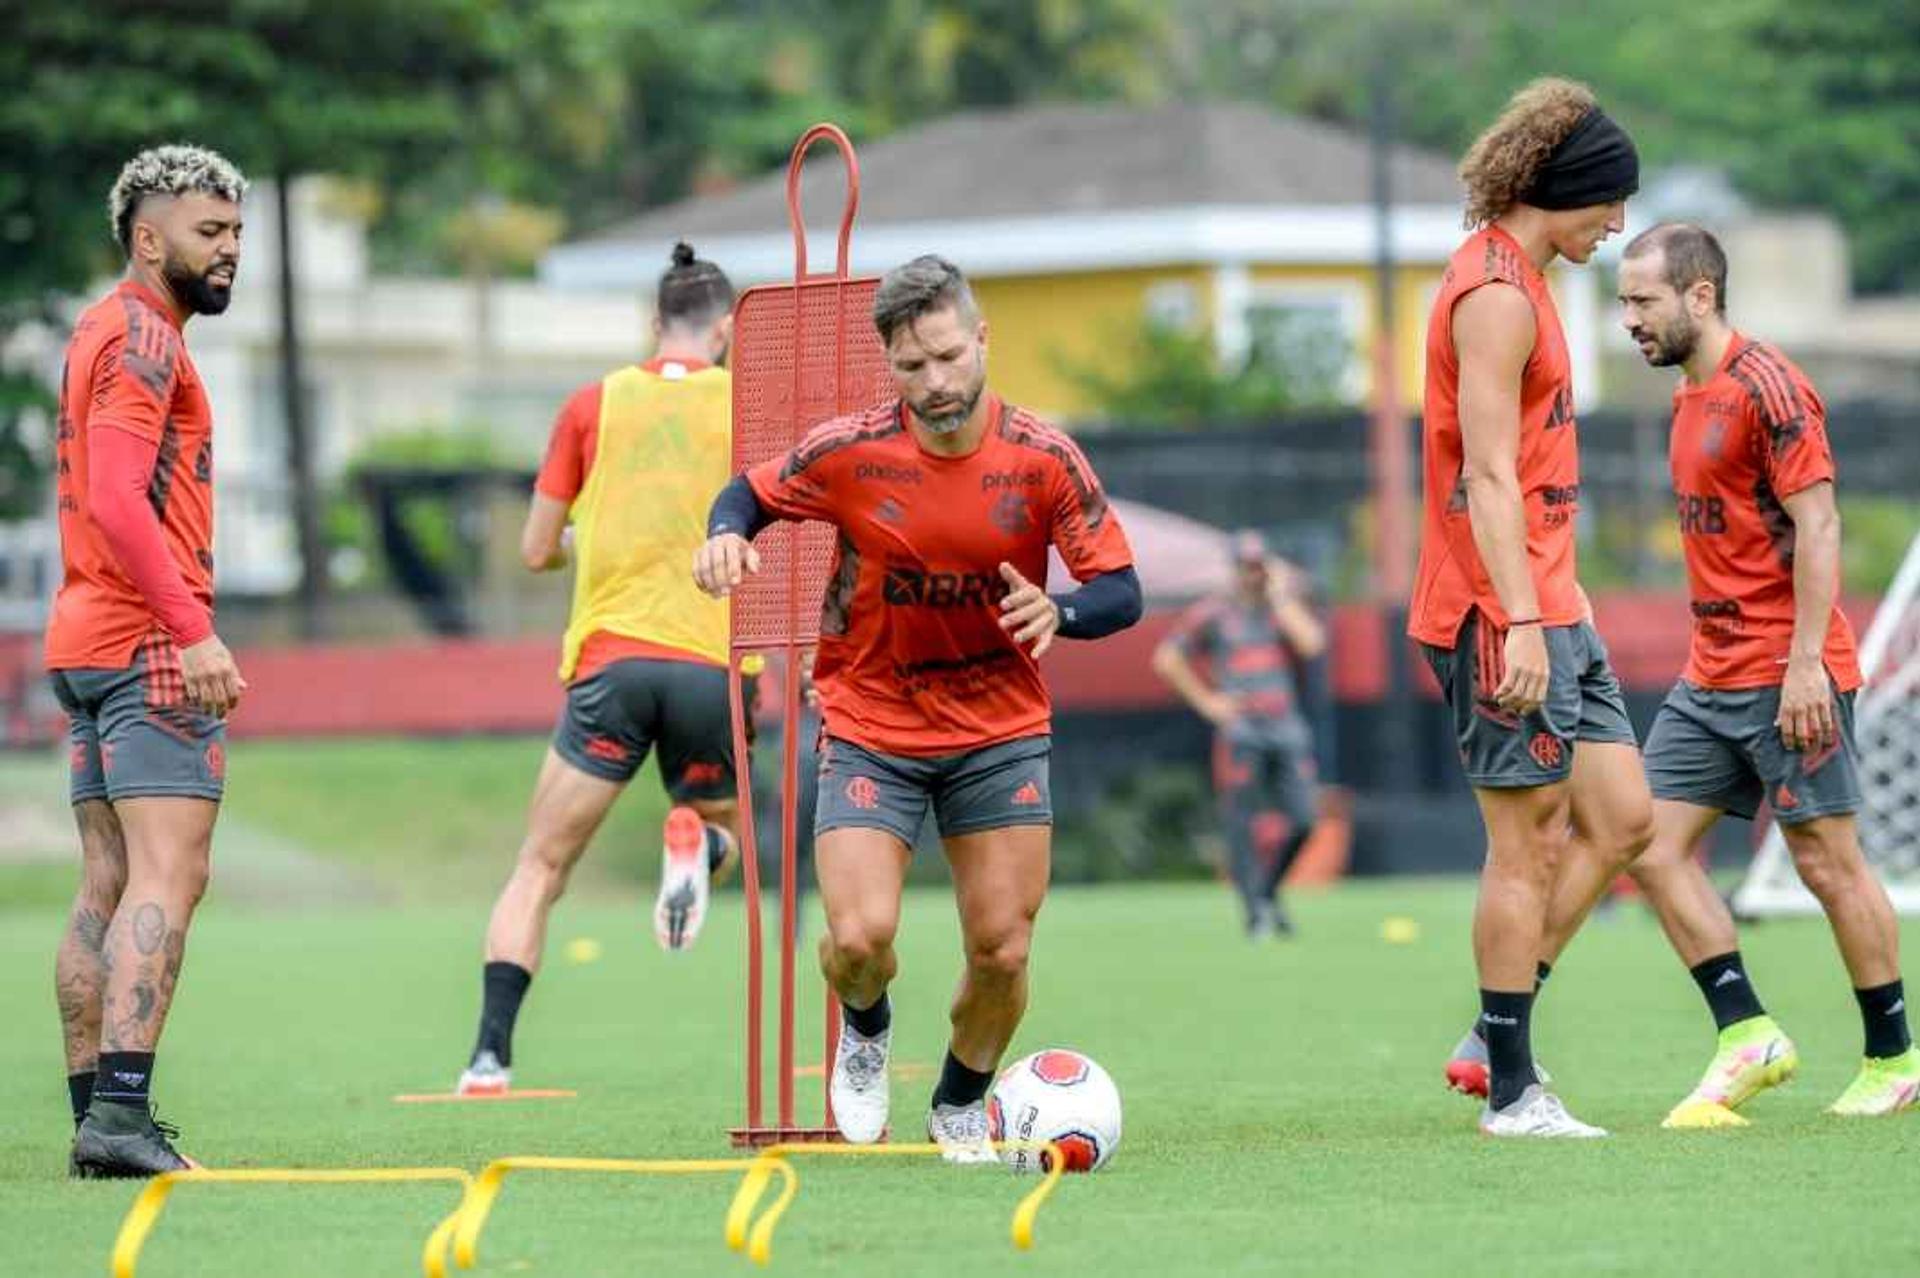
x=1451 y=579
x=912 y=658
x=1744 y=440
x=127 y=368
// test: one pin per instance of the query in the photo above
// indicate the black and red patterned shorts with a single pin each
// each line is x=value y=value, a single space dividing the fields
x=1502 y=751
x=133 y=734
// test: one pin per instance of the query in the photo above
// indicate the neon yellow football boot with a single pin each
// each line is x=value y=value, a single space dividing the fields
x=1884 y=1085
x=1753 y=1055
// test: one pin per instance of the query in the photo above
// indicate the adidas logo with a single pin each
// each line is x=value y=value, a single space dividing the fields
x=1728 y=977
x=1491 y=1019
x=1027 y=795
x=1899 y=1006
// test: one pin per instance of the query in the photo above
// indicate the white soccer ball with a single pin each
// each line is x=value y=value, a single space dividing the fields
x=1057 y=1095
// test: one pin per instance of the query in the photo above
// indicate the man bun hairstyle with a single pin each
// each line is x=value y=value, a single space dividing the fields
x=175 y=169
x=1690 y=254
x=692 y=292
x=926 y=284
x=1504 y=163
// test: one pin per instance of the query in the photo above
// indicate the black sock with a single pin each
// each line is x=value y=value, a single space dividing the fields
x=959 y=1084
x=80 y=1092
x=505 y=984
x=123 y=1078
x=1730 y=995
x=870 y=1022
x=1542 y=970
x=1883 y=1011
x=1506 y=1018
x=718 y=841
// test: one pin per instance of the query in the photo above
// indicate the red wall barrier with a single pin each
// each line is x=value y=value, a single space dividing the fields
x=510 y=686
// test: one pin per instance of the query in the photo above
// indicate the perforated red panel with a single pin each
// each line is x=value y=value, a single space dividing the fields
x=824 y=329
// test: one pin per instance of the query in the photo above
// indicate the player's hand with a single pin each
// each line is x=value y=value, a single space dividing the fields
x=1284 y=582
x=1525 y=686
x=211 y=677
x=1027 y=611
x=1806 y=719
x=1220 y=709
x=723 y=562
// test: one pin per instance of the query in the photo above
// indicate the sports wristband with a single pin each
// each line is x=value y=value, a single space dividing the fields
x=1522 y=621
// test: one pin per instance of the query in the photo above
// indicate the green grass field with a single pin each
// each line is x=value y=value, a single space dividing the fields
x=1284 y=1111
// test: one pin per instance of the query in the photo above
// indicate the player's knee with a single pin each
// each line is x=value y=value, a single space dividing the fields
x=1000 y=953
x=860 y=942
x=1826 y=857
x=101 y=886
x=545 y=866
x=189 y=879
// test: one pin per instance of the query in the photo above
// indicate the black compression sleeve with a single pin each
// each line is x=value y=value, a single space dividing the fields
x=1101 y=606
x=737 y=510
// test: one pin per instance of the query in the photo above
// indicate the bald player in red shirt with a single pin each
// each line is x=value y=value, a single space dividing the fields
x=130 y=646
x=1538 y=715
x=1764 y=708
x=934 y=621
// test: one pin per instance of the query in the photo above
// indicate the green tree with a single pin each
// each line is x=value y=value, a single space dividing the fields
x=1170 y=375
x=1805 y=105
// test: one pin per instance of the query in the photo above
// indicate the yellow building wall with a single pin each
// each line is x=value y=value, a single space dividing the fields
x=1037 y=323
x=1414 y=291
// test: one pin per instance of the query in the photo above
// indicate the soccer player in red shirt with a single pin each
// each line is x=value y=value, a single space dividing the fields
x=1251 y=639
x=1538 y=715
x=130 y=645
x=933 y=624
x=1764 y=708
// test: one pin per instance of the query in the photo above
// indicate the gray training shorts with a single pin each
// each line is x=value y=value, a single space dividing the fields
x=1500 y=750
x=614 y=718
x=985 y=789
x=132 y=734
x=1720 y=749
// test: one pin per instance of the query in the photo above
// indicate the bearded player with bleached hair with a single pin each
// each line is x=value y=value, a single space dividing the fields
x=130 y=645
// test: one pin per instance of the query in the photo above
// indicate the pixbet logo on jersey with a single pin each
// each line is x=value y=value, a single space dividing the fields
x=913 y=587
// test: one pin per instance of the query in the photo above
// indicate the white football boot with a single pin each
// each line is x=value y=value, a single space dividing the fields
x=486 y=1076
x=1538 y=1112
x=961 y=1133
x=681 y=907
x=859 y=1087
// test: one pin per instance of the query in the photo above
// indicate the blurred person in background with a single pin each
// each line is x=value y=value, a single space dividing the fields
x=130 y=646
x=1251 y=642
x=633 y=461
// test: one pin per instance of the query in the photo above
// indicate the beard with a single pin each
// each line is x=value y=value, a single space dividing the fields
x=948 y=422
x=1674 y=345
x=951 y=420
x=202 y=295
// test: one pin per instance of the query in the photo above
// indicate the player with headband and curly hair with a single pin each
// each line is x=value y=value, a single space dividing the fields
x=130 y=645
x=1538 y=715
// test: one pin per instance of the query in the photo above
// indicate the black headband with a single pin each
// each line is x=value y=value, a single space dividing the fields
x=1594 y=164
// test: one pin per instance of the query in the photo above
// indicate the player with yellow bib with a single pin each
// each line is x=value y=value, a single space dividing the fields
x=633 y=463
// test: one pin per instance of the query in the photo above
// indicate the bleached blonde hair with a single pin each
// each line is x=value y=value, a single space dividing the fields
x=175 y=169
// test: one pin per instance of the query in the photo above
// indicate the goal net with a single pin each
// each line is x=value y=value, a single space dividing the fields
x=1887 y=728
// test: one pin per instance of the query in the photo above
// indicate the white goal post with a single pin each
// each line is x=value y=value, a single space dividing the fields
x=1887 y=727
